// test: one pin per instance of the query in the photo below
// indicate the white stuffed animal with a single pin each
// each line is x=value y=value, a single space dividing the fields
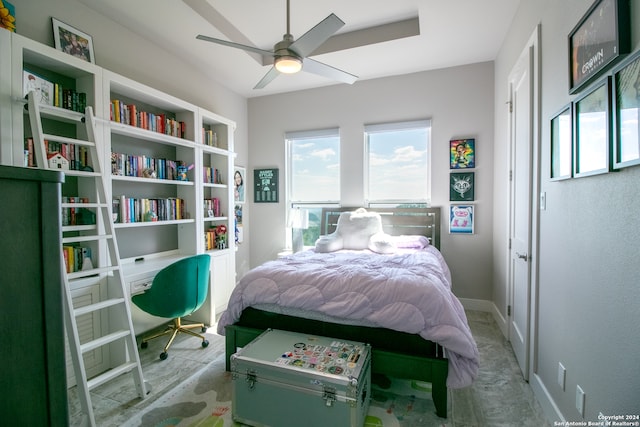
x=357 y=230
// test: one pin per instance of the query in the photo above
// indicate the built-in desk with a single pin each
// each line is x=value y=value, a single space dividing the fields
x=138 y=274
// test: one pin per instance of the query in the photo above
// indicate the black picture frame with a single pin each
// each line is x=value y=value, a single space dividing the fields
x=462 y=186
x=626 y=112
x=592 y=130
x=598 y=41
x=265 y=185
x=561 y=149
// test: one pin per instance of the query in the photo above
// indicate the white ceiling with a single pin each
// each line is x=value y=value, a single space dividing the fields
x=451 y=33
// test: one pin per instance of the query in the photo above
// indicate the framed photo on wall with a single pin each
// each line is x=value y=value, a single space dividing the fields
x=239 y=175
x=462 y=153
x=592 y=151
x=626 y=109
x=562 y=144
x=461 y=187
x=265 y=183
x=73 y=41
x=600 y=39
x=461 y=219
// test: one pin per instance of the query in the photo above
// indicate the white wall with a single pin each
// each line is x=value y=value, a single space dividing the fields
x=588 y=289
x=458 y=100
x=122 y=51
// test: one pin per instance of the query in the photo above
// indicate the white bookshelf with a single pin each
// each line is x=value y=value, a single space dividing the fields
x=217 y=155
x=145 y=246
x=70 y=73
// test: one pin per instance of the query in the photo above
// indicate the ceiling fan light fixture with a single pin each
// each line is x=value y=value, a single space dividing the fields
x=288 y=64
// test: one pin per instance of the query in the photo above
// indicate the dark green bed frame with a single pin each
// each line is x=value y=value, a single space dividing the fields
x=396 y=354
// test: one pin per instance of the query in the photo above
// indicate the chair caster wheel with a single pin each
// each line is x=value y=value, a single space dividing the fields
x=144 y=344
x=205 y=343
x=204 y=329
x=163 y=355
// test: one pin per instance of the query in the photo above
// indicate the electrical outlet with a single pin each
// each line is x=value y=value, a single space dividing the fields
x=580 y=400
x=562 y=375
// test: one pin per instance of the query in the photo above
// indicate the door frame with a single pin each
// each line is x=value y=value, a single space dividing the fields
x=533 y=44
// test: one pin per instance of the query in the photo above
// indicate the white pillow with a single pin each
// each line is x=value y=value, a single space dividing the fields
x=357 y=230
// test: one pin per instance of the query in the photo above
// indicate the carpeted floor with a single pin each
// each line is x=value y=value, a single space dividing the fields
x=191 y=388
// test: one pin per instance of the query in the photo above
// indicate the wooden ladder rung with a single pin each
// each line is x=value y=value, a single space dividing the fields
x=90 y=308
x=104 y=340
x=110 y=374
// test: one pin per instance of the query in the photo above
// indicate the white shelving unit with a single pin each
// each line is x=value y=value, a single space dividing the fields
x=71 y=73
x=146 y=246
x=215 y=160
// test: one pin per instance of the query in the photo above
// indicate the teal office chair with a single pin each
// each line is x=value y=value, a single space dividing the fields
x=177 y=290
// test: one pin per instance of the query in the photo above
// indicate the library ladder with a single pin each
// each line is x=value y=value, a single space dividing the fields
x=120 y=336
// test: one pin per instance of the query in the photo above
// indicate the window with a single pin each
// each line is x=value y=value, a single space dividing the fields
x=313 y=175
x=398 y=157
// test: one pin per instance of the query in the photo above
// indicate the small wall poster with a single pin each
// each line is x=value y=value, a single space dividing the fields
x=265 y=183
x=461 y=187
x=462 y=153
x=461 y=219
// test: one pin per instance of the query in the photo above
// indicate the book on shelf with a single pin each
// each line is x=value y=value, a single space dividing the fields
x=130 y=114
x=131 y=209
x=77 y=258
x=209 y=137
x=42 y=87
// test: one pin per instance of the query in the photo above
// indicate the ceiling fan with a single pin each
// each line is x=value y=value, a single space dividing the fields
x=290 y=55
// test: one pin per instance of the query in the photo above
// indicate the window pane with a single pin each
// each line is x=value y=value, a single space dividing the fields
x=398 y=164
x=315 y=169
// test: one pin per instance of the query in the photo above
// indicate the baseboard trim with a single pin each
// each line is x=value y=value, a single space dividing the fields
x=549 y=407
x=488 y=307
x=477 y=304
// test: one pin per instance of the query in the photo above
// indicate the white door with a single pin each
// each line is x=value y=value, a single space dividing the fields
x=521 y=143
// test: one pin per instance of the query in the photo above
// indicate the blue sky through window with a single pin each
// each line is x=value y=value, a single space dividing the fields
x=398 y=165
x=315 y=169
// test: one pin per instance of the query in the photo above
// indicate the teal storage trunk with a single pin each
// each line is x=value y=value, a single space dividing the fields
x=292 y=379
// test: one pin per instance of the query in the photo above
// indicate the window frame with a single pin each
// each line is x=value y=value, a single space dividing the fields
x=300 y=204
x=390 y=127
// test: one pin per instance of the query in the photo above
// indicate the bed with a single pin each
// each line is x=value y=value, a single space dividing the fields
x=421 y=335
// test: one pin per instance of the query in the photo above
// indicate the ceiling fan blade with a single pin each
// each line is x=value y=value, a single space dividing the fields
x=268 y=78
x=319 y=34
x=236 y=45
x=324 y=70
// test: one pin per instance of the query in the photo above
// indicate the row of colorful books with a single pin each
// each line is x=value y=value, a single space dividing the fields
x=76 y=216
x=142 y=166
x=59 y=155
x=212 y=207
x=54 y=94
x=131 y=209
x=209 y=137
x=212 y=175
x=212 y=239
x=129 y=114
x=75 y=258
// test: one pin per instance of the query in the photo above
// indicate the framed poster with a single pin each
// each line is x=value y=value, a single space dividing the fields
x=592 y=131
x=626 y=92
x=73 y=41
x=461 y=187
x=239 y=174
x=461 y=219
x=462 y=153
x=265 y=183
x=600 y=39
x=561 y=144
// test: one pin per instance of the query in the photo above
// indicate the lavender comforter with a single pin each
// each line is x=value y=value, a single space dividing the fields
x=409 y=291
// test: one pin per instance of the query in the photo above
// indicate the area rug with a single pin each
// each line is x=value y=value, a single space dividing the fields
x=204 y=400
